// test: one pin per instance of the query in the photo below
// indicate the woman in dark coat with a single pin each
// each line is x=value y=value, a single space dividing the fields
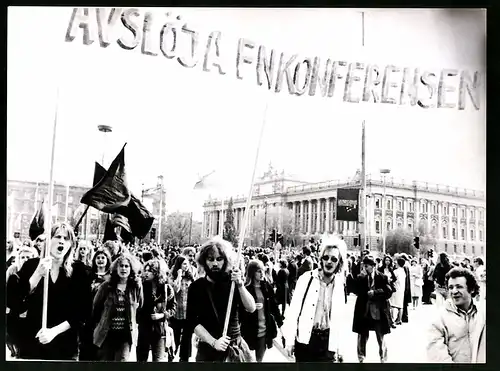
x=69 y=293
x=428 y=286
x=282 y=288
x=259 y=328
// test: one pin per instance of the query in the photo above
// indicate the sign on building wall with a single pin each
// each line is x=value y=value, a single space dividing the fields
x=347 y=204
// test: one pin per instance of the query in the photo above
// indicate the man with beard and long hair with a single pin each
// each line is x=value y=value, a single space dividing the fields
x=317 y=307
x=207 y=304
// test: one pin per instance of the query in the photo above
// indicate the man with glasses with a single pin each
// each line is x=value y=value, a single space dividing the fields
x=317 y=307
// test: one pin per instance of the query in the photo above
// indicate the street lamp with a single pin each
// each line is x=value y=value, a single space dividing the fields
x=384 y=172
x=265 y=222
x=105 y=129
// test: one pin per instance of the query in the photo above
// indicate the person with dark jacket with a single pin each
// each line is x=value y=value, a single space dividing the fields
x=439 y=276
x=68 y=293
x=259 y=328
x=307 y=263
x=159 y=305
x=372 y=310
x=282 y=288
x=292 y=276
x=428 y=286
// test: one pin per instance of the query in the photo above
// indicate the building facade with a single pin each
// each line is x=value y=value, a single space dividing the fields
x=455 y=217
x=25 y=198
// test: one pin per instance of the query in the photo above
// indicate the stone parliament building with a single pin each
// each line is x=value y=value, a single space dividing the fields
x=456 y=217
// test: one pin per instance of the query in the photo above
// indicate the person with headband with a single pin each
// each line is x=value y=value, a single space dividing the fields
x=317 y=307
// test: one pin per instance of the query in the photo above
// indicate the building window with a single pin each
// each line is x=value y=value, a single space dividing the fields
x=473 y=250
x=481 y=236
x=410 y=227
x=377 y=203
x=463 y=213
x=462 y=233
x=472 y=234
x=388 y=226
x=434 y=209
x=70 y=199
x=454 y=249
x=410 y=206
x=445 y=247
x=444 y=232
x=59 y=197
x=377 y=226
x=482 y=250
x=389 y=204
x=481 y=215
x=465 y=249
x=422 y=207
x=454 y=211
x=472 y=214
x=445 y=210
x=453 y=234
x=400 y=206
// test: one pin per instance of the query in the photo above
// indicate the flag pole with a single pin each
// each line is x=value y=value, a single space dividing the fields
x=49 y=221
x=246 y=218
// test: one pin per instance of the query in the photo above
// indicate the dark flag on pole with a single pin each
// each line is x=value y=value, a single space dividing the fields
x=347 y=204
x=111 y=192
x=114 y=221
x=37 y=224
x=139 y=219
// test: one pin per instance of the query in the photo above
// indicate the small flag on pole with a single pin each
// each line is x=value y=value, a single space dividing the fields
x=37 y=224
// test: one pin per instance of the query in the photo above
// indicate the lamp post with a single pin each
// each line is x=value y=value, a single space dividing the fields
x=160 y=186
x=265 y=222
x=104 y=129
x=384 y=172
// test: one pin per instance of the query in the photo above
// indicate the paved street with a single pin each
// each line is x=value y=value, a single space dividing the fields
x=406 y=343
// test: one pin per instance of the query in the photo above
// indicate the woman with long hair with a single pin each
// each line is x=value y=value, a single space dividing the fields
x=387 y=268
x=259 y=328
x=67 y=296
x=181 y=279
x=114 y=310
x=99 y=272
x=159 y=306
x=83 y=253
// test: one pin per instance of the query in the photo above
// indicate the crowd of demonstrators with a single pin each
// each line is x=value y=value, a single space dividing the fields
x=108 y=300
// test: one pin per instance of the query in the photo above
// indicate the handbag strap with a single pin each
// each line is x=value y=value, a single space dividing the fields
x=303 y=300
x=209 y=291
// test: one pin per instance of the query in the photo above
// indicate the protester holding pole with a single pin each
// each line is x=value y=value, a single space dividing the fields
x=68 y=292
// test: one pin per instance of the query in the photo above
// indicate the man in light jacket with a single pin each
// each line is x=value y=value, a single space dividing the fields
x=458 y=332
x=317 y=307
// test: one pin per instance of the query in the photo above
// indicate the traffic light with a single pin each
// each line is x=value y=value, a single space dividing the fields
x=416 y=242
x=152 y=234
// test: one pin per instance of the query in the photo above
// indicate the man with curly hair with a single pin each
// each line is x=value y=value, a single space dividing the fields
x=458 y=332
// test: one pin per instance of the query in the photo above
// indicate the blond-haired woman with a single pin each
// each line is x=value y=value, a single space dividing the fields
x=67 y=295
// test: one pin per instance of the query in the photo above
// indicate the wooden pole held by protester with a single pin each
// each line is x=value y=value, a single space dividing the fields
x=49 y=220
x=246 y=218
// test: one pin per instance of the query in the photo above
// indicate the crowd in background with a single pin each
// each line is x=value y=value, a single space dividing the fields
x=107 y=300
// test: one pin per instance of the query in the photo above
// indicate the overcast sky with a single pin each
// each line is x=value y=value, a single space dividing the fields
x=179 y=121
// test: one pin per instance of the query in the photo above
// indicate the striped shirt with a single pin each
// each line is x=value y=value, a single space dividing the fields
x=119 y=319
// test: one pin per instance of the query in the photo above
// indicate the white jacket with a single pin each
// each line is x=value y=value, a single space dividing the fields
x=306 y=321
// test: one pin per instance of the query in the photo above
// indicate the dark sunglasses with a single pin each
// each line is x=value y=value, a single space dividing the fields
x=325 y=258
